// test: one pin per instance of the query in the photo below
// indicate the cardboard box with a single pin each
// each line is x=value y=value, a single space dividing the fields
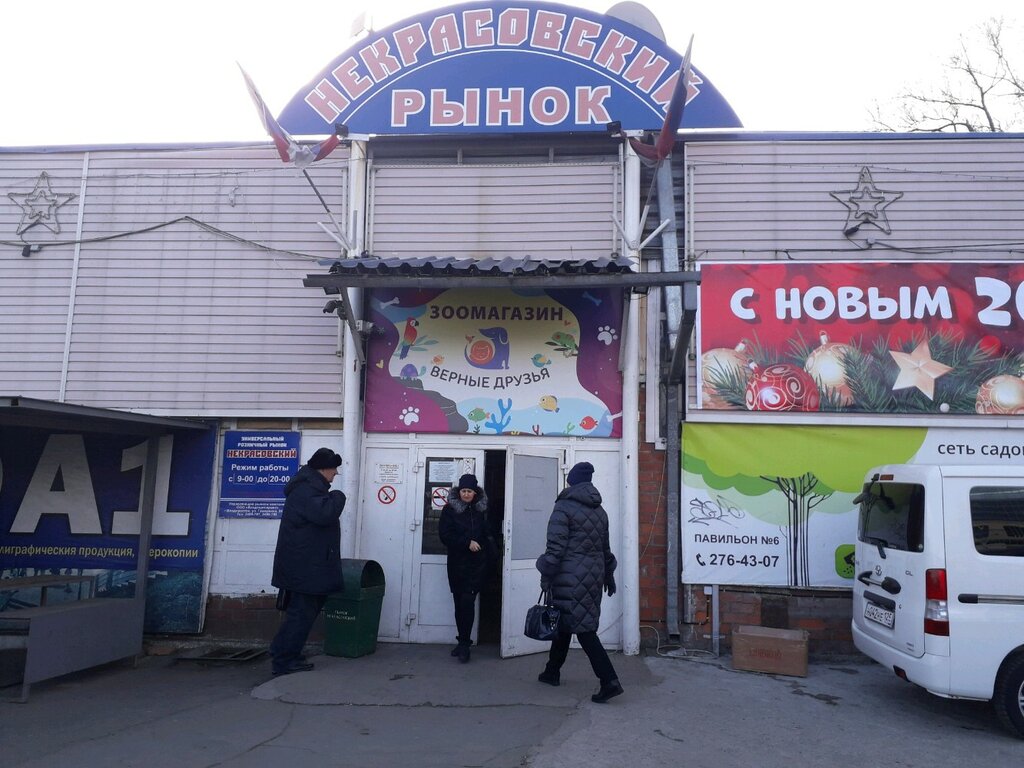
x=775 y=651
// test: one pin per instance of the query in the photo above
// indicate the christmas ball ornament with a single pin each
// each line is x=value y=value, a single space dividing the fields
x=1001 y=395
x=781 y=387
x=825 y=364
x=944 y=408
x=990 y=345
x=718 y=365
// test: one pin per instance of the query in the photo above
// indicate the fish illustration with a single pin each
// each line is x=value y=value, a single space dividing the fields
x=549 y=403
x=588 y=422
x=540 y=360
x=477 y=414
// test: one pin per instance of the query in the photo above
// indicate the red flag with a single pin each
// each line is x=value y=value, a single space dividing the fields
x=288 y=148
x=673 y=117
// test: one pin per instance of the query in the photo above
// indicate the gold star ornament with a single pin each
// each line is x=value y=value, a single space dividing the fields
x=918 y=369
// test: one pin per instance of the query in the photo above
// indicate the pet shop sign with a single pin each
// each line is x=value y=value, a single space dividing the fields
x=499 y=362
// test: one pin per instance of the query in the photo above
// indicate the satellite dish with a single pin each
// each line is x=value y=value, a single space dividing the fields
x=639 y=16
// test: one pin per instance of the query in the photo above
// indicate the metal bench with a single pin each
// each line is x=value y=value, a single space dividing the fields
x=102 y=629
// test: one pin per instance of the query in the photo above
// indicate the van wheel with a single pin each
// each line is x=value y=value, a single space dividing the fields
x=1009 y=698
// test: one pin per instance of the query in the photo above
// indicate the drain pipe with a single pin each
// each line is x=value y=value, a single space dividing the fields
x=673 y=316
x=352 y=415
x=630 y=422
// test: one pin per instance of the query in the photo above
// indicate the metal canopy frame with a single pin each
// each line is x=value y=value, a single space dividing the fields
x=68 y=637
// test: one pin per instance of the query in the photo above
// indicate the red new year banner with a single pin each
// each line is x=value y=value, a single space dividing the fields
x=921 y=337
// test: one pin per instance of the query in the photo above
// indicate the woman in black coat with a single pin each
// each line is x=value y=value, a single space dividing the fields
x=463 y=530
x=576 y=566
x=307 y=561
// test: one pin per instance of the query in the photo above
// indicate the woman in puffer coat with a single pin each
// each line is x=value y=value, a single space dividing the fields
x=576 y=566
x=463 y=530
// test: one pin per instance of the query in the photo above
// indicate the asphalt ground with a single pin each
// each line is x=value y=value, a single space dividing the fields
x=414 y=705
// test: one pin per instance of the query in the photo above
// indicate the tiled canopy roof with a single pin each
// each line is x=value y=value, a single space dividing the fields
x=465 y=267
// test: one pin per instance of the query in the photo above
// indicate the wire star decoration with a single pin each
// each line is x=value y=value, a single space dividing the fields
x=918 y=369
x=866 y=203
x=40 y=205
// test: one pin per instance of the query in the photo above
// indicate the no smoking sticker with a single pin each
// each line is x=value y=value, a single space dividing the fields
x=386 y=494
x=438 y=497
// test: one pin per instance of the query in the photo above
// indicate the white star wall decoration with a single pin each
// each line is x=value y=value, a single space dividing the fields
x=40 y=205
x=866 y=204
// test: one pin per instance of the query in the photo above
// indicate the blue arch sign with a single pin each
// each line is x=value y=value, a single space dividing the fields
x=503 y=68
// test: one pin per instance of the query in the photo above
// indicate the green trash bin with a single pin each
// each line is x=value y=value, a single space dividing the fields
x=352 y=616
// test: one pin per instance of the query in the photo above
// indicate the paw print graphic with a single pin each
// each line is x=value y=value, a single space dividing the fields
x=410 y=416
x=607 y=334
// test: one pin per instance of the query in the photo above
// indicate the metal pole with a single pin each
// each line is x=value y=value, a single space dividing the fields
x=352 y=414
x=630 y=421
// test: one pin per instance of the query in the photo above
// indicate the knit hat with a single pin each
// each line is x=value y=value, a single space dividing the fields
x=581 y=473
x=324 y=458
x=468 y=481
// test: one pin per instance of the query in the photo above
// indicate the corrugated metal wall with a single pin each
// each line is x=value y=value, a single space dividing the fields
x=194 y=318
x=546 y=210
x=764 y=200
x=34 y=291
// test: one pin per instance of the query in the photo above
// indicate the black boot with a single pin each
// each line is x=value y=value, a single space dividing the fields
x=608 y=690
x=462 y=652
x=551 y=678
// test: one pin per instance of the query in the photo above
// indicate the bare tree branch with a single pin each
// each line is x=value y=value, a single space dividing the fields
x=980 y=90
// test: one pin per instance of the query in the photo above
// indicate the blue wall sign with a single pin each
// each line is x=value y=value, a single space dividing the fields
x=256 y=467
x=499 y=68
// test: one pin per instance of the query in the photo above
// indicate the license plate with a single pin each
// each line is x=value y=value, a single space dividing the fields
x=879 y=615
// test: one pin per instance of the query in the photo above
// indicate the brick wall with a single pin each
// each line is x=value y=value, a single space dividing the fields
x=653 y=537
x=252 y=618
x=825 y=615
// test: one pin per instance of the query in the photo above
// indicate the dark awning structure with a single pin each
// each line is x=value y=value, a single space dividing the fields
x=16 y=411
x=74 y=635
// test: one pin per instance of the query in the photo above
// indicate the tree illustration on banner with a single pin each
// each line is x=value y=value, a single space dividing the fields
x=805 y=464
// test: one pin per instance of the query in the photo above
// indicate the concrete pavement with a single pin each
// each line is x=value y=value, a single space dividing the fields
x=409 y=705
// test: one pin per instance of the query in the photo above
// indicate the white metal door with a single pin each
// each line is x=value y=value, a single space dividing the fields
x=533 y=479
x=431 y=614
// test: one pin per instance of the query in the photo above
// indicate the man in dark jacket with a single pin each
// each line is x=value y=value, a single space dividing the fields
x=576 y=566
x=307 y=561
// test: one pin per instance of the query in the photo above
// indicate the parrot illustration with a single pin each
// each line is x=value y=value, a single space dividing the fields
x=408 y=336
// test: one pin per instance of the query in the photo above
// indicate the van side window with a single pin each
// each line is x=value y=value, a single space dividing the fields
x=892 y=515
x=997 y=518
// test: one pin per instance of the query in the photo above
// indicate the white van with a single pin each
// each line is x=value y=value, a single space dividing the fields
x=939 y=589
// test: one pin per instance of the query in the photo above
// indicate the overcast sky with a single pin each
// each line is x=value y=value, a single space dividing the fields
x=112 y=71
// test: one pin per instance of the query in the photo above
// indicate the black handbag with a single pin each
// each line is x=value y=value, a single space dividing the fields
x=283 y=596
x=542 y=619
